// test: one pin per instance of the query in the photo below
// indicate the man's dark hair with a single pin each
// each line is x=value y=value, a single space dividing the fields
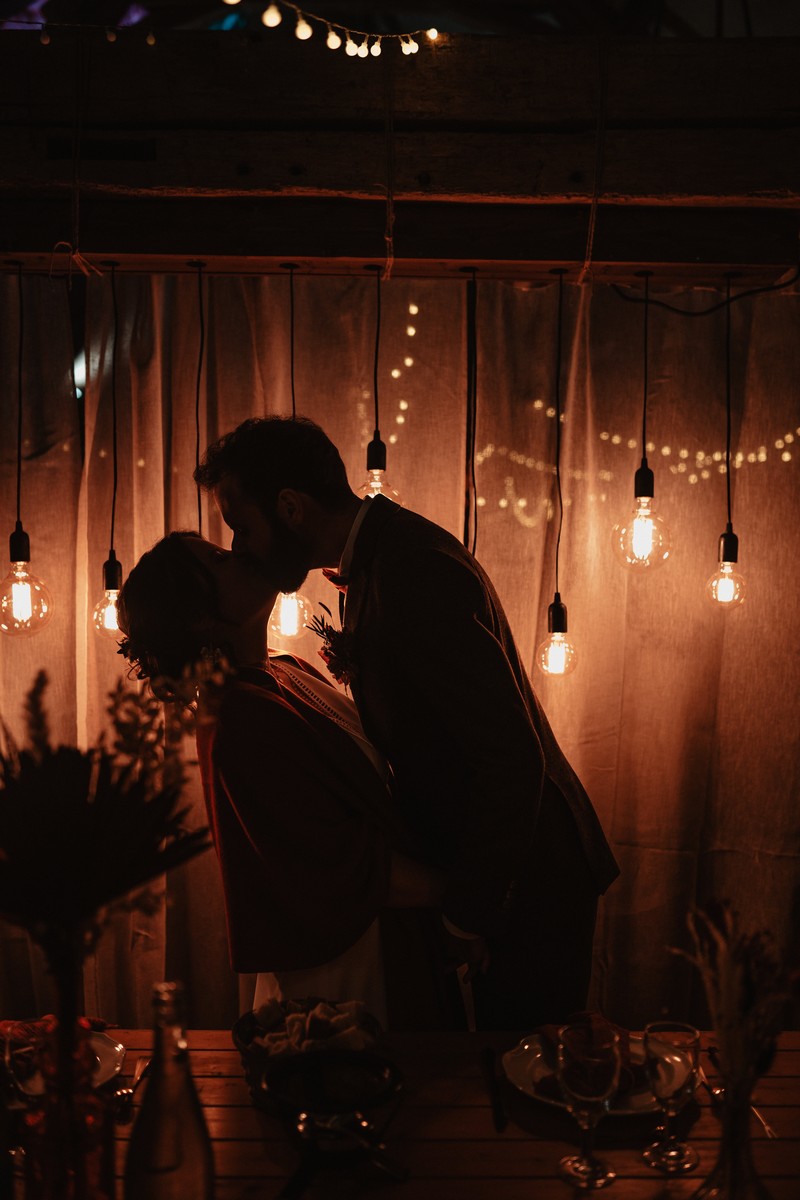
x=267 y=454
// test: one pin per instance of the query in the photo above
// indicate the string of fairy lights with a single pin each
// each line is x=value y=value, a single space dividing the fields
x=356 y=43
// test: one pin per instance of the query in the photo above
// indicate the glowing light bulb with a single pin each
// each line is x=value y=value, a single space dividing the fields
x=726 y=586
x=290 y=614
x=25 y=602
x=351 y=49
x=405 y=46
x=375 y=49
x=376 y=484
x=333 y=41
x=642 y=540
x=44 y=36
x=151 y=38
x=104 y=616
x=432 y=34
x=363 y=49
x=302 y=29
x=413 y=46
x=271 y=16
x=557 y=655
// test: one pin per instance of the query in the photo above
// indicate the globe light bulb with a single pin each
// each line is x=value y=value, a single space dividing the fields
x=25 y=602
x=271 y=16
x=405 y=46
x=726 y=586
x=432 y=34
x=350 y=49
x=642 y=540
x=289 y=616
x=376 y=484
x=375 y=49
x=557 y=655
x=333 y=41
x=302 y=29
x=363 y=49
x=104 y=616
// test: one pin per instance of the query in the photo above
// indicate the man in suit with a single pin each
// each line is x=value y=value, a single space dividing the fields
x=441 y=691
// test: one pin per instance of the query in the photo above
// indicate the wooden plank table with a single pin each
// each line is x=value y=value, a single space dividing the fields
x=443 y=1131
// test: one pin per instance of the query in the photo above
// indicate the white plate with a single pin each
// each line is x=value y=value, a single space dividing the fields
x=526 y=1065
x=110 y=1057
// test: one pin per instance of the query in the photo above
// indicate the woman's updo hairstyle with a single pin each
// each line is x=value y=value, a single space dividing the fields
x=167 y=609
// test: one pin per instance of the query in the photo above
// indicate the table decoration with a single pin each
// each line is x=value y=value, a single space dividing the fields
x=81 y=834
x=587 y=1070
x=747 y=990
x=318 y=1067
x=672 y=1053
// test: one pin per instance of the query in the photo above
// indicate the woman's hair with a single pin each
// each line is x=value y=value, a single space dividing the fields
x=167 y=609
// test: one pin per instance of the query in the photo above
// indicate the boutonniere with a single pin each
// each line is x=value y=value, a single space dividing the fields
x=337 y=648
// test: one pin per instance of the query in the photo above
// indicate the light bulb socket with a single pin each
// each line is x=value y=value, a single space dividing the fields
x=112 y=573
x=644 y=482
x=728 y=546
x=557 y=615
x=19 y=545
x=376 y=454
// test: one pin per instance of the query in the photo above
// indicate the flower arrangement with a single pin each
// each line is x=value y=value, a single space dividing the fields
x=747 y=991
x=81 y=829
x=81 y=833
x=337 y=648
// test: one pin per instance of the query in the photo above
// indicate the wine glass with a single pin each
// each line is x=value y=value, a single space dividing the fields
x=672 y=1054
x=588 y=1074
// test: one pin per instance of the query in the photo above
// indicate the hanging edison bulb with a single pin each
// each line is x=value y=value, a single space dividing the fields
x=376 y=483
x=726 y=586
x=557 y=655
x=104 y=616
x=642 y=539
x=290 y=615
x=26 y=605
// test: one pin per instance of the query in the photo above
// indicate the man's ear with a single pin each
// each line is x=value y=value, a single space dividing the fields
x=290 y=507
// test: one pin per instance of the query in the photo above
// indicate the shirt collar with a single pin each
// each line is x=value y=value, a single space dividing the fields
x=347 y=554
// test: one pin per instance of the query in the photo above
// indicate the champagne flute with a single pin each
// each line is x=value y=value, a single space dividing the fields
x=672 y=1055
x=588 y=1075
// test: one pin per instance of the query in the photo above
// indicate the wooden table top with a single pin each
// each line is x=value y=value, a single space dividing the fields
x=443 y=1131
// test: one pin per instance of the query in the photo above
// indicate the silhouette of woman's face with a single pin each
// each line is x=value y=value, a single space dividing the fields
x=242 y=591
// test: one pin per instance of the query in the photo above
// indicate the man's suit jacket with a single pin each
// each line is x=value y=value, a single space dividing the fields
x=442 y=692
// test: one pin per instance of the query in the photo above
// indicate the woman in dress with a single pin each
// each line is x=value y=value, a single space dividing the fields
x=310 y=847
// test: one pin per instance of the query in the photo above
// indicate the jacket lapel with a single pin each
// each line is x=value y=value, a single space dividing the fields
x=381 y=513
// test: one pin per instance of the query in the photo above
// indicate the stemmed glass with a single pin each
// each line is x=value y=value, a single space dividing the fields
x=672 y=1055
x=588 y=1075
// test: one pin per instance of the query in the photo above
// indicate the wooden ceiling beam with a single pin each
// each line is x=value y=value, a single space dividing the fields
x=263 y=147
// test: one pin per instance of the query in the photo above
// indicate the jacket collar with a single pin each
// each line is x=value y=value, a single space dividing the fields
x=381 y=511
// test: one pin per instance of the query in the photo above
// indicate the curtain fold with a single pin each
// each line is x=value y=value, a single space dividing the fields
x=680 y=720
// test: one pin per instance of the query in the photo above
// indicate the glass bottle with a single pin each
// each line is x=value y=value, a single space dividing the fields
x=170 y=1155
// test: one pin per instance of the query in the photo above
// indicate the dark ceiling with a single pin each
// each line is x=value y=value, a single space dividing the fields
x=666 y=18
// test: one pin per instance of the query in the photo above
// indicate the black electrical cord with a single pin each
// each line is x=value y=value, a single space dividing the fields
x=200 y=358
x=704 y=312
x=21 y=308
x=114 y=405
x=470 y=490
x=558 y=415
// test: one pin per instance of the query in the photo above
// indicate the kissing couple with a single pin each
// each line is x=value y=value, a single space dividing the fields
x=370 y=845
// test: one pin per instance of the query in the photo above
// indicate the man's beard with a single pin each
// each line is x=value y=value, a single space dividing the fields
x=288 y=565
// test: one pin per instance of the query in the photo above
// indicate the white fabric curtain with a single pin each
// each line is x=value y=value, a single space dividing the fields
x=680 y=720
